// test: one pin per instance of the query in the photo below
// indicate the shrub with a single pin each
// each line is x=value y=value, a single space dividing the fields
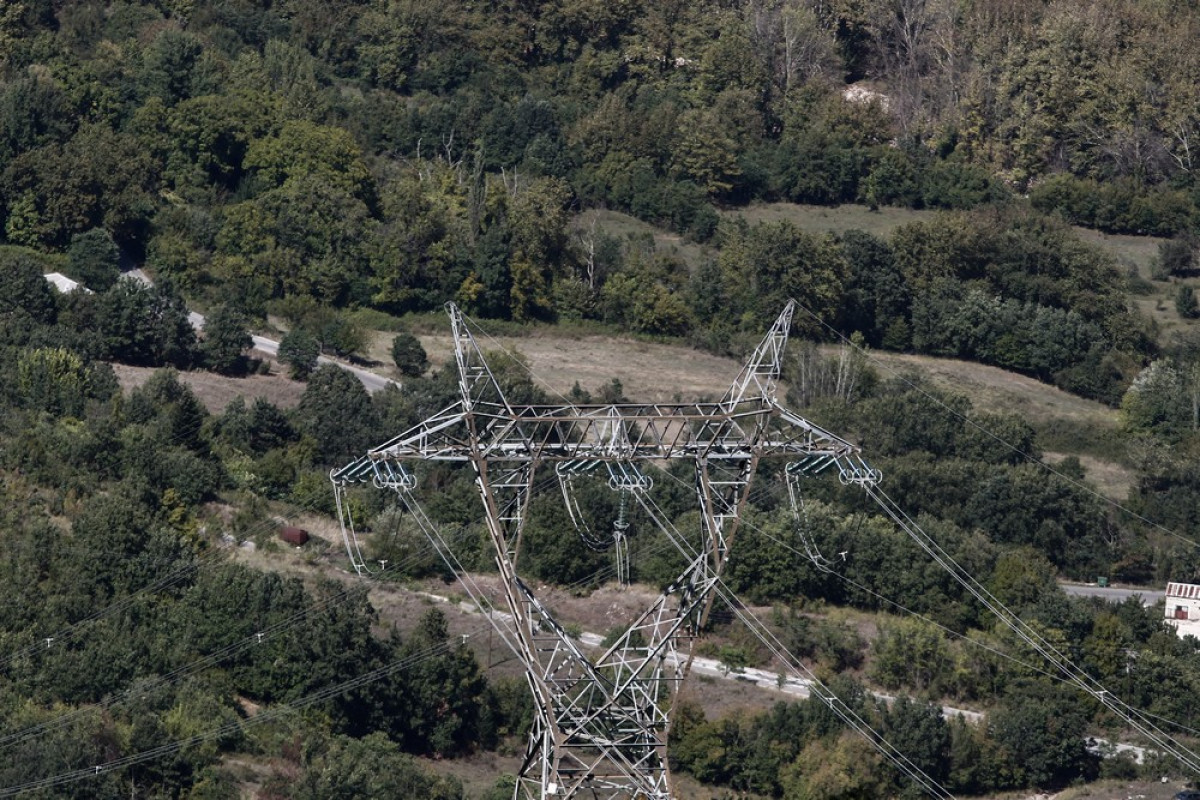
x=410 y=357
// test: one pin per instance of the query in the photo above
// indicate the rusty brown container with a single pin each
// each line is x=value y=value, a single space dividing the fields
x=292 y=535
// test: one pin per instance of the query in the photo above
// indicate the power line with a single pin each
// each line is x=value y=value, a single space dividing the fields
x=179 y=674
x=817 y=688
x=996 y=437
x=1071 y=673
x=236 y=726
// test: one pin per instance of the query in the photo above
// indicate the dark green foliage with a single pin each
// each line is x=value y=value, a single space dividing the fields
x=145 y=325
x=256 y=429
x=920 y=732
x=225 y=339
x=1185 y=302
x=170 y=409
x=170 y=69
x=831 y=645
x=1025 y=506
x=877 y=301
x=914 y=654
x=1167 y=492
x=86 y=741
x=554 y=551
x=409 y=356
x=360 y=155
x=24 y=293
x=121 y=548
x=768 y=263
x=342 y=768
x=811 y=170
x=1122 y=206
x=336 y=411
x=299 y=349
x=440 y=700
x=1177 y=255
x=1041 y=727
x=56 y=381
x=99 y=178
x=1018 y=291
x=94 y=259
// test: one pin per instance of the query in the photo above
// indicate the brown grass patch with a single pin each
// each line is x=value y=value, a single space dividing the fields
x=995 y=390
x=647 y=371
x=216 y=391
x=1114 y=481
x=835 y=219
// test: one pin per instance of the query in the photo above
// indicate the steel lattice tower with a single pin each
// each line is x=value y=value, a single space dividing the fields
x=601 y=723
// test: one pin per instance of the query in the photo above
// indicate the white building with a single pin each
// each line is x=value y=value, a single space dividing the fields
x=65 y=284
x=1183 y=608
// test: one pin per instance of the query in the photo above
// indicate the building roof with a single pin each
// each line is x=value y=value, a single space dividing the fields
x=1188 y=591
x=65 y=284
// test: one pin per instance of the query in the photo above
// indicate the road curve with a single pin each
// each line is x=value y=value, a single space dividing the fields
x=371 y=380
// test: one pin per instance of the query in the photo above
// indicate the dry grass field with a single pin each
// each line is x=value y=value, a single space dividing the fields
x=215 y=391
x=823 y=219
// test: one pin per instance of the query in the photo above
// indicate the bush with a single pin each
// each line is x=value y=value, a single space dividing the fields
x=299 y=350
x=94 y=259
x=410 y=357
x=1176 y=256
x=1185 y=302
x=225 y=338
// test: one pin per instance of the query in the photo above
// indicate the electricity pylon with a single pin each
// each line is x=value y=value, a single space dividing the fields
x=601 y=723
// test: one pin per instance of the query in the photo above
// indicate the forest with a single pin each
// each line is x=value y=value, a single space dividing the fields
x=332 y=169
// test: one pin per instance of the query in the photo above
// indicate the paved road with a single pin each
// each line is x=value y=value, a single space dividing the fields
x=761 y=678
x=372 y=381
x=1112 y=594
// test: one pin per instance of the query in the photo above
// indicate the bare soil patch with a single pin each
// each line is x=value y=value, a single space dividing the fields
x=216 y=391
x=1122 y=790
x=1112 y=480
x=648 y=371
x=995 y=390
x=836 y=219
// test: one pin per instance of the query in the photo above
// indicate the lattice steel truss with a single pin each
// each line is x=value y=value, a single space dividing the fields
x=601 y=723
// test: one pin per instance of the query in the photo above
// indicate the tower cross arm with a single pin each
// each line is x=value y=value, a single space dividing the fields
x=613 y=433
x=792 y=434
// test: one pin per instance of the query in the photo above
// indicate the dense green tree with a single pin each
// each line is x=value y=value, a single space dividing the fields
x=408 y=355
x=336 y=411
x=225 y=340
x=373 y=766
x=24 y=292
x=768 y=263
x=145 y=325
x=100 y=178
x=877 y=302
x=441 y=698
x=911 y=654
x=415 y=255
x=1185 y=302
x=302 y=149
x=94 y=259
x=173 y=68
x=120 y=546
x=553 y=547
x=920 y=732
x=1041 y=729
x=1160 y=399
x=53 y=380
x=261 y=427
x=1177 y=256
x=299 y=349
